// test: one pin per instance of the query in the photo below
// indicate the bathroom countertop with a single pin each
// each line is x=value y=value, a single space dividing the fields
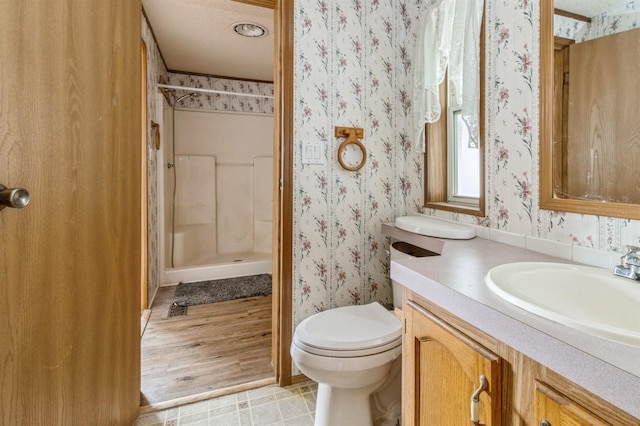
x=455 y=281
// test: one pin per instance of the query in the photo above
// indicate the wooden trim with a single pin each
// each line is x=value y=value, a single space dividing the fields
x=546 y=102
x=283 y=193
x=472 y=211
x=299 y=378
x=547 y=199
x=276 y=239
x=571 y=15
x=204 y=396
x=481 y=125
x=562 y=42
x=435 y=155
x=270 y=4
x=144 y=242
x=144 y=320
x=620 y=210
x=199 y=74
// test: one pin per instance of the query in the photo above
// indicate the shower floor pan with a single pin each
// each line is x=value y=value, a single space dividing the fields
x=224 y=266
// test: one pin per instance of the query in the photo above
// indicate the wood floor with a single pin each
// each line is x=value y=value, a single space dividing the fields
x=214 y=346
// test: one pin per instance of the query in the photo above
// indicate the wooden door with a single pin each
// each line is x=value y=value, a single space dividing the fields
x=442 y=369
x=604 y=118
x=70 y=260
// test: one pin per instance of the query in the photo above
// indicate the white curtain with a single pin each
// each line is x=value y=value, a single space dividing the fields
x=431 y=59
x=448 y=37
x=471 y=69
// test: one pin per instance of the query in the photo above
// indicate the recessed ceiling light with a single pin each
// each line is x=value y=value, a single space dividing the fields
x=249 y=29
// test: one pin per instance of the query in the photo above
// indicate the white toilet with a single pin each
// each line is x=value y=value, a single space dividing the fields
x=350 y=352
x=353 y=352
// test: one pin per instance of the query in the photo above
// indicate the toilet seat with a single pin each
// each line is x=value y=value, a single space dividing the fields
x=349 y=331
x=347 y=353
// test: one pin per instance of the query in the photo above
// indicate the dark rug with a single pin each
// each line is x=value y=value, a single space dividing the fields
x=203 y=292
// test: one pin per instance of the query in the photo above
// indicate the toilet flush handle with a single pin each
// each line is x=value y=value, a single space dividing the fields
x=16 y=198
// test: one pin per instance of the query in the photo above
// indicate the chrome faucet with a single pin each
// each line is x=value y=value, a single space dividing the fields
x=630 y=264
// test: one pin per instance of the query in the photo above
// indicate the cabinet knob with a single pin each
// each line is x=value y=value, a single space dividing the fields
x=544 y=423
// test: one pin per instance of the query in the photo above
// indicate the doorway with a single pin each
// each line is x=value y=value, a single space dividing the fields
x=282 y=193
x=208 y=349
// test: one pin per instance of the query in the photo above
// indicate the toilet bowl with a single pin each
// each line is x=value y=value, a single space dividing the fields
x=350 y=352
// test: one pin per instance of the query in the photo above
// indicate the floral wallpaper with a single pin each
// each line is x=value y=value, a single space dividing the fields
x=155 y=68
x=223 y=102
x=352 y=68
x=616 y=20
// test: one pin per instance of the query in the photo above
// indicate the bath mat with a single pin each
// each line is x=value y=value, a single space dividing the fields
x=203 y=292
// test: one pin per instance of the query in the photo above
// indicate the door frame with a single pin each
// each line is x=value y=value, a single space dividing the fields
x=283 y=191
x=282 y=230
x=144 y=217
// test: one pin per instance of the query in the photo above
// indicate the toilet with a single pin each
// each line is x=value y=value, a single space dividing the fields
x=354 y=352
x=351 y=351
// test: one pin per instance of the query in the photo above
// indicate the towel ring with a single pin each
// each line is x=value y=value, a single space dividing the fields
x=352 y=139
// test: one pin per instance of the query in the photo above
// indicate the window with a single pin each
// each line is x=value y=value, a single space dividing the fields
x=463 y=162
x=454 y=166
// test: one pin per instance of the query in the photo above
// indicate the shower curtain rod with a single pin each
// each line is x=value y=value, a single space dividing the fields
x=222 y=92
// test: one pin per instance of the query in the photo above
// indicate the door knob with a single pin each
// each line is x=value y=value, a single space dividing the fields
x=13 y=197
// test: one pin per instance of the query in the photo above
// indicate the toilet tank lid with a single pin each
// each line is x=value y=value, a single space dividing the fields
x=425 y=225
x=350 y=328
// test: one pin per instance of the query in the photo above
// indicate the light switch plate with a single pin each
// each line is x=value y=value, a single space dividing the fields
x=313 y=152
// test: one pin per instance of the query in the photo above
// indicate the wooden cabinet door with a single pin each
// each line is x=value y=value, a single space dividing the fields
x=557 y=410
x=70 y=260
x=442 y=369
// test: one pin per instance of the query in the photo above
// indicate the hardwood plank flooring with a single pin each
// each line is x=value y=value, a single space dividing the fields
x=214 y=346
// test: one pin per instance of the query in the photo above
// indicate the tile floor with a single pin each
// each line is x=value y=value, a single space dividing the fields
x=271 y=405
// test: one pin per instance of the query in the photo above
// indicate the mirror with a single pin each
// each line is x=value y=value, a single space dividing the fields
x=589 y=109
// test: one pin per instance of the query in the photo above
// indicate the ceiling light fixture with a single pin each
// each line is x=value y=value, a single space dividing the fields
x=249 y=29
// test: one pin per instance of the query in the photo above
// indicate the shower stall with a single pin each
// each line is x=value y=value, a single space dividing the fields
x=217 y=184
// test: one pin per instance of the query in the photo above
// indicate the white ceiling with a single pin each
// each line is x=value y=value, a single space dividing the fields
x=196 y=36
x=588 y=8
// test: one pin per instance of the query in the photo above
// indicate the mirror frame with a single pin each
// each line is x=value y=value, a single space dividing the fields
x=547 y=200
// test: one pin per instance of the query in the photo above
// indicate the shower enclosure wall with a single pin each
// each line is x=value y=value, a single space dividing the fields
x=220 y=224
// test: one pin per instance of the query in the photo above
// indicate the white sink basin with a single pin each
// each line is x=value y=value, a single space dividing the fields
x=589 y=299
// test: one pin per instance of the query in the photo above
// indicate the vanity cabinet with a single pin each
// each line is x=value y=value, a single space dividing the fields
x=449 y=378
x=443 y=358
x=554 y=409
